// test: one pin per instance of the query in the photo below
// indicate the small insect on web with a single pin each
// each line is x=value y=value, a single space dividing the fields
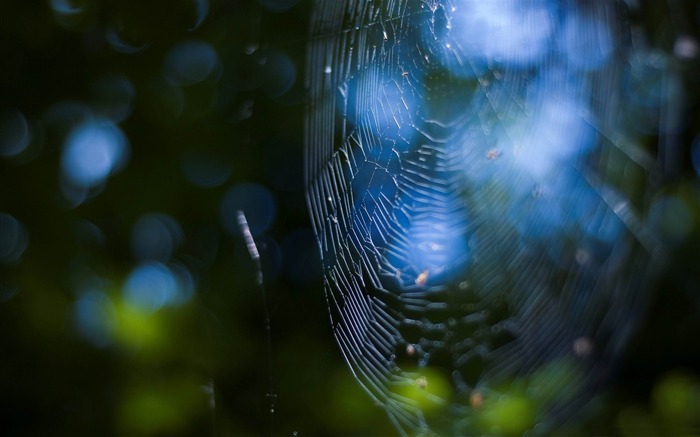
x=478 y=193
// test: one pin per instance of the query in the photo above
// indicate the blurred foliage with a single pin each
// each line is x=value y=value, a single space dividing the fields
x=209 y=96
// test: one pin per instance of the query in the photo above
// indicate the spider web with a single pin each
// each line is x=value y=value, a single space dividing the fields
x=474 y=184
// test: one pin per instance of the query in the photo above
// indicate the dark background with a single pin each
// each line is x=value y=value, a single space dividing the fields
x=202 y=366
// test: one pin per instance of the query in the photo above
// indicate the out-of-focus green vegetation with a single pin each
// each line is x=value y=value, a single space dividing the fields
x=194 y=101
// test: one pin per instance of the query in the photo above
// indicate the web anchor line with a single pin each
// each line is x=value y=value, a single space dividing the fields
x=259 y=281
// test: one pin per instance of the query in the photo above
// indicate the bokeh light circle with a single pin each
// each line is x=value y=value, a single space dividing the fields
x=153 y=285
x=93 y=151
x=95 y=318
x=190 y=62
x=155 y=237
x=15 y=133
x=13 y=239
